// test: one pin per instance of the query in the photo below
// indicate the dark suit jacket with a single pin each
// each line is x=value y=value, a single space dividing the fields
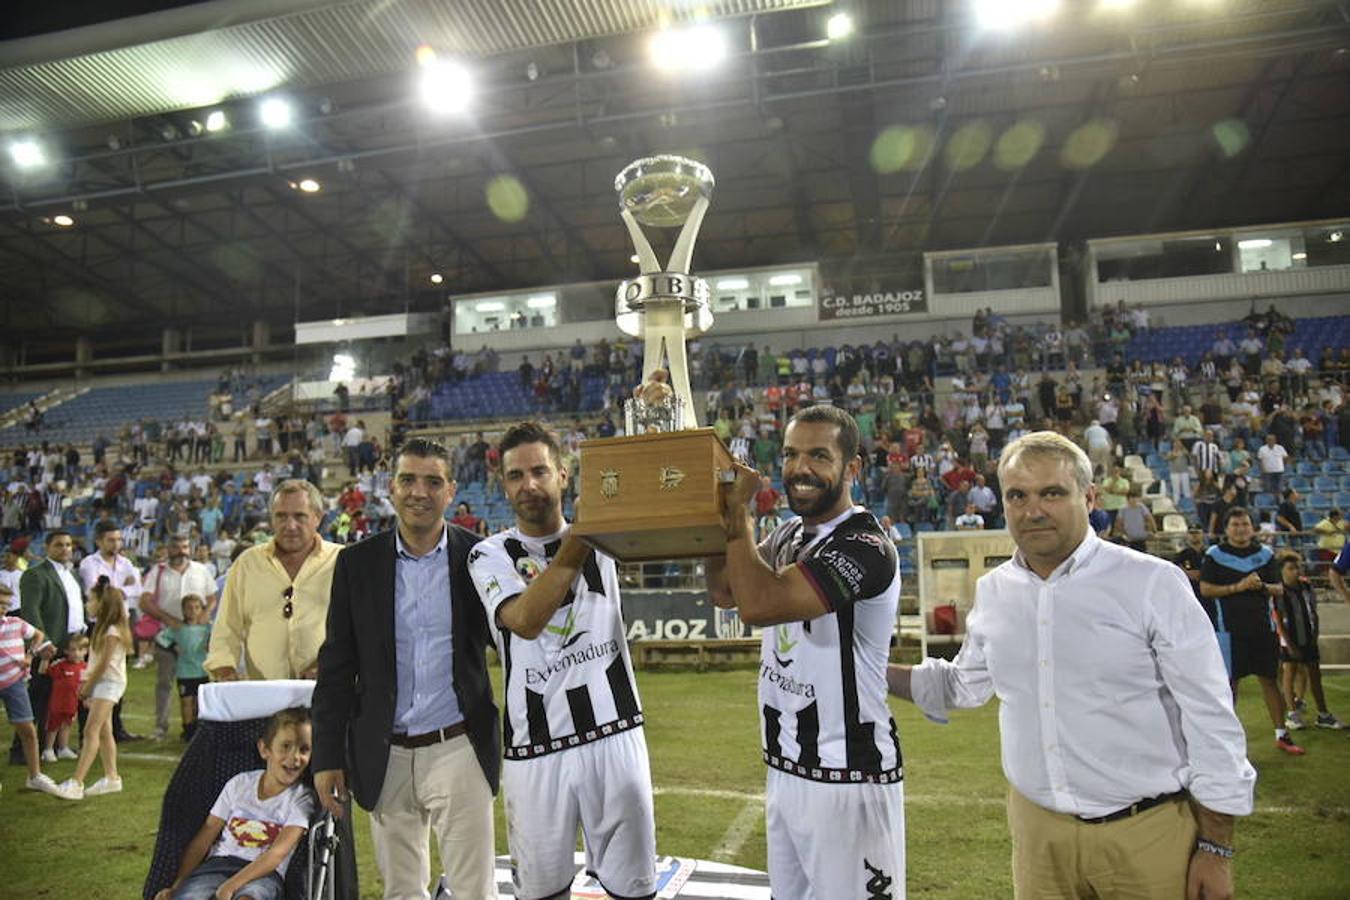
x=43 y=601
x=357 y=687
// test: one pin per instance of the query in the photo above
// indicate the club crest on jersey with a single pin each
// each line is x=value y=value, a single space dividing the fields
x=528 y=569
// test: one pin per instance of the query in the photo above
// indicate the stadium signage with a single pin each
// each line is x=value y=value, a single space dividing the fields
x=845 y=305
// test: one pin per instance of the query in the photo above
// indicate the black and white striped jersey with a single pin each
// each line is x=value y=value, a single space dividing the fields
x=822 y=682
x=574 y=682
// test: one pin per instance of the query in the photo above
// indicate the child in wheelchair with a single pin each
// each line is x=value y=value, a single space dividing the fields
x=243 y=848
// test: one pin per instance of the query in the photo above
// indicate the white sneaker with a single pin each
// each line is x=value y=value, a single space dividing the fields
x=104 y=785
x=141 y=662
x=67 y=753
x=49 y=756
x=70 y=789
x=41 y=782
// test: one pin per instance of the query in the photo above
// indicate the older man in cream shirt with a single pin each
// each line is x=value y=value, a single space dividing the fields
x=275 y=602
x=1126 y=762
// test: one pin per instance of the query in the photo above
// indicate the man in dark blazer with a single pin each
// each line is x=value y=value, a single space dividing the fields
x=46 y=591
x=403 y=708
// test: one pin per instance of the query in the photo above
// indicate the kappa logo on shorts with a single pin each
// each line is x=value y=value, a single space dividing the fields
x=878 y=884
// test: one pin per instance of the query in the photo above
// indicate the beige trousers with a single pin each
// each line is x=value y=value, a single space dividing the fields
x=1143 y=857
x=438 y=789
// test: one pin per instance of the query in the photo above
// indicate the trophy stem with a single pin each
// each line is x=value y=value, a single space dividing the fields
x=663 y=332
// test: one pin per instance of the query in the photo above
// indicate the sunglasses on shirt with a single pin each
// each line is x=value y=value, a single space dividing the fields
x=289 y=609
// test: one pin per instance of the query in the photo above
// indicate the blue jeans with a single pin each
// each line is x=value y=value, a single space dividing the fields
x=216 y=870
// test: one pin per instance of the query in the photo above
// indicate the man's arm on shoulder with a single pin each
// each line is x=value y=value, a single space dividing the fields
x=528 y=612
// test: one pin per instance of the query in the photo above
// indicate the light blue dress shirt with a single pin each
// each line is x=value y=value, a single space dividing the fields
x=423 y=649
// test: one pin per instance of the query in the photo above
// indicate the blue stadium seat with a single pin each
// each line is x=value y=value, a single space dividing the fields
x=1308 y=469
x=1299 y=483
x=1343 y=500
x=1320 y=502
x=1326 y=483
x=1332 y=467
x=1340 y=454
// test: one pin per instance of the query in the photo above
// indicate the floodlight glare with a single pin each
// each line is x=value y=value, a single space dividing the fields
x=63 y=220
x=733 y=284
x=542 y=301
x=839 y=26
x=275 y=113
x=344 y=367
x=489 y=306
x=1254 y=244
x=217 y=121
x=785 y=280
x=1007 y=14
x=1299 y=255
x=672 y=49
x=437 y=277
x=309 y=186
x=445 y=87
x=27 y=154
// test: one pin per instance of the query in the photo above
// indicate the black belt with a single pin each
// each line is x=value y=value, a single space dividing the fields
x=413 y=741
x=1133 y=808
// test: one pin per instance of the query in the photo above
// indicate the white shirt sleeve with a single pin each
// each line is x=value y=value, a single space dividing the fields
x=1219 y=776
x=938 y=685
x=495 y=576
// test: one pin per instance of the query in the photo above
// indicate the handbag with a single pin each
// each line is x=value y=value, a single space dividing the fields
x=147 y=626
x=1225 y=640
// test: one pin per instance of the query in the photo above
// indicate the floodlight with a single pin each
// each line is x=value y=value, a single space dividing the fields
x=692 y=49
x=217 y=121
x=63 y=220
x=1005 y=14
x=309 y=186
x=275 y=113
x=489 y=306
x=27 y=154
x=785 y=280
x=839 y=26
x=634 y=258
x=1336 y=236
x=445 y=87
x=1299 y=256
x=437 y=277
x=1254 y=244
x=542 y=301
x=344 y=367
x=733 y=284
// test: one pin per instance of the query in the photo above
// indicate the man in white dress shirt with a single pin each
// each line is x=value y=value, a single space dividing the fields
x=1126 y=761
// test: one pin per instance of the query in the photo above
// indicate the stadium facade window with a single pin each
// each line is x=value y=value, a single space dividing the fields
x=1326 y=245
x=1000 y=270
x=1271 y=251
x=1149 y=258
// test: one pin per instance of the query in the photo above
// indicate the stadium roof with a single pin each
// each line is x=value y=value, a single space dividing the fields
x=921 y=131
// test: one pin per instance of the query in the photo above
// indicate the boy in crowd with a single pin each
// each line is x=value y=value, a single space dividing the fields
x=1297 y=609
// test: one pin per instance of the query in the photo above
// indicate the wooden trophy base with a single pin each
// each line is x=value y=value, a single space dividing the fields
x=653 y=496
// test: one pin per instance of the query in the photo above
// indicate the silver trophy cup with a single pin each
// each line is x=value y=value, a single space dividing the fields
x=664 y=305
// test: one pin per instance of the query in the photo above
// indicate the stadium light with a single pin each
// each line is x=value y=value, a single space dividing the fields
x=27 y=154
x=63 y=220
x=672 y=49
x=437 y=278
x=542 y=301
x=733 y=284
x=489 y=306
x=275 y=113
x=445 y=87
x=785 y=280
x=1008 y=14
x=217 y=121
x=309 y=186
x=1299 y=256
x=1254 y=244
x=344 y=367
x=839 y=26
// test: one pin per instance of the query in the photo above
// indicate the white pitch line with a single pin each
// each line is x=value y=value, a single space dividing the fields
x=738 y=832
x=945 y=799
x=152 y=757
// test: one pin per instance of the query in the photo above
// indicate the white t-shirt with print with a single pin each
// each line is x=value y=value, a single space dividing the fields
x=252 y=825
